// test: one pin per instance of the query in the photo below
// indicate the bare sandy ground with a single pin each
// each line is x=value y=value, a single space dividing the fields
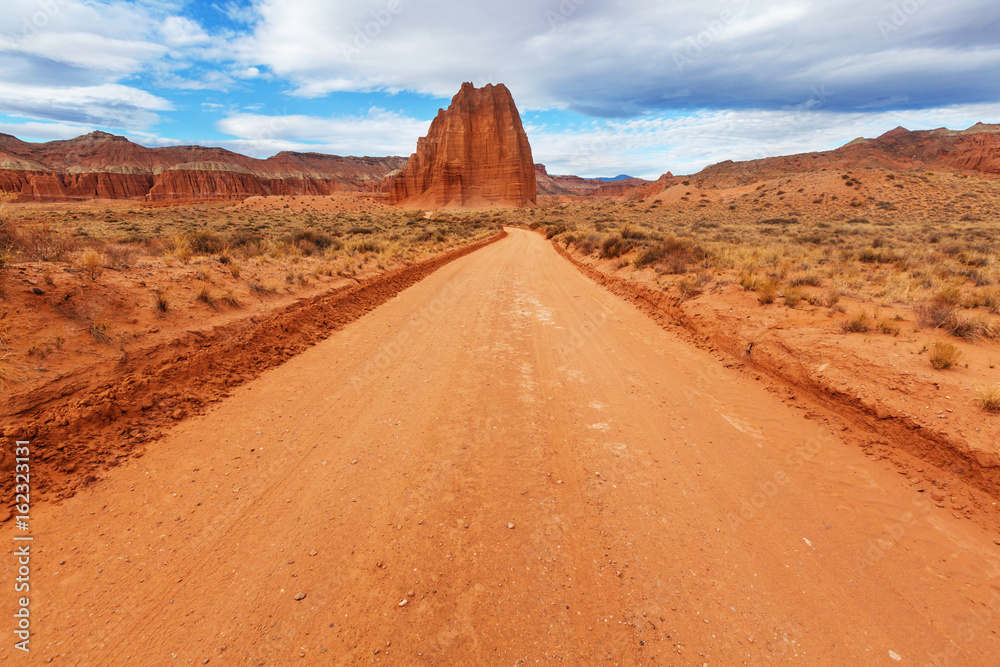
x=507 y=463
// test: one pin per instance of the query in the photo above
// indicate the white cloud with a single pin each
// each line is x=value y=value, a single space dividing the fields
x=90 y=51
x=378 y=132
x=635 y=56
x=686 y=144
x=35 y=131
x=108 y=105
x=181 y=32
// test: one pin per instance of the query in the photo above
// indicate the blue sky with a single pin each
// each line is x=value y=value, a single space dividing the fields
x=631 y=86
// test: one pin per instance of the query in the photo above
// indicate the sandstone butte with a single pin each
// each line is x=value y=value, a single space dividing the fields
x=102 y=165
x=476 y=155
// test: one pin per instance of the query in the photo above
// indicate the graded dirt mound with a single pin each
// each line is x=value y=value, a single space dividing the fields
x=77 y=434
x=476 y=155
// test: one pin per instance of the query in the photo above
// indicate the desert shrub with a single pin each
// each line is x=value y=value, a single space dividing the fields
x=861 y=322
x=793 y=295
x=811 y=279
x=940 y=314
x=205 y=242
x=887 y=326
x=120 y=256
x=589 y=244
x=182 y=250
x=934 y=314
x=675 y=253
x=971 y=327
x=988 y=397
x=614 y=245
x=944 y=355
x=631 y=233
x=35 y=243
x=365 y=245
x=748 y=281
x=554 y=230
x=767 y=292
x=234 y=269
x=831 y=299
x=90 y=265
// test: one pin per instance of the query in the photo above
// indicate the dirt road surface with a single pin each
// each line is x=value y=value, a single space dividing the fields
x=506 y=465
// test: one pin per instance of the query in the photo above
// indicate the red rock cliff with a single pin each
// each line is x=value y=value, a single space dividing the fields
x=101 y=165
x=476 y=154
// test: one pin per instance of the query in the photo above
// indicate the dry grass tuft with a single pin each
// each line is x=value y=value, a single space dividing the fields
x=794 y=295
x=206 y=296
x=162 y=301
x=10 y=372
x=767 y=292
x=988 y=397
x=944 y=355
x=230 y=299
x=887 y=326
x=861 y=322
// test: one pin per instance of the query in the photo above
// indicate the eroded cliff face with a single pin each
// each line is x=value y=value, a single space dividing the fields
x=476 y=155
x=101 y=165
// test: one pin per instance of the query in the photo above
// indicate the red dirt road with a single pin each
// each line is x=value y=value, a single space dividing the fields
x=541 y=473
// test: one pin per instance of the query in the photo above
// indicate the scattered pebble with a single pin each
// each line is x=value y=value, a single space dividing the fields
x=353 y=461
x=402 y=603
x=895 y=656
x=510 y=525
x=300 y=596
x=312 y=553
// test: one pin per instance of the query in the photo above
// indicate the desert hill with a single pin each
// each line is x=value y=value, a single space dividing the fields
x=102 y=165
x=976 y=149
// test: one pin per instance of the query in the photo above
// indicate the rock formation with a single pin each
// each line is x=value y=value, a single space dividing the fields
x=475 y=155
x=575 y=186
x=101 y=165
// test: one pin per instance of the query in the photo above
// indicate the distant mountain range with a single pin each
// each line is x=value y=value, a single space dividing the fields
x=102 y=165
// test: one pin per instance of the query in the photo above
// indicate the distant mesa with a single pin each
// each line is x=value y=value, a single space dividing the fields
x=476 y=155
x=104 y=166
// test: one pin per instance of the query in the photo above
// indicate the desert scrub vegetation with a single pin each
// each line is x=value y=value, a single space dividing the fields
x=928 y=245
x=92 y=239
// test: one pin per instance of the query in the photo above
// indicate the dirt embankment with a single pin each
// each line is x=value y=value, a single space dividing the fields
x=893 y=410
x=79 y=429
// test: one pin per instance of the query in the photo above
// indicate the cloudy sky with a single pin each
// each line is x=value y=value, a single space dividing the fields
x=604 y=87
